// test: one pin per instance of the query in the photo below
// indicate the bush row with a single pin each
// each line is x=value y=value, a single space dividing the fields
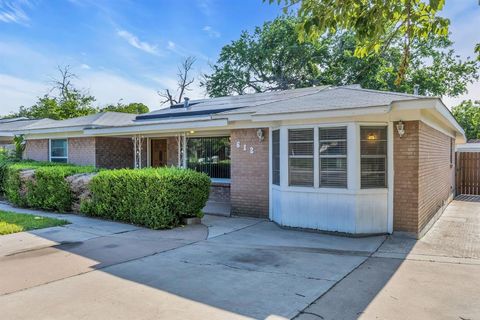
x=45 y=189
x=155 y=198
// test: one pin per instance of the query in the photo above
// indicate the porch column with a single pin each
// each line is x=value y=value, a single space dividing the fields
x=184 y=151
x=137 y=151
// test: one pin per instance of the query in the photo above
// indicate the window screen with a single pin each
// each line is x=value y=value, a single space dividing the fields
x=210 y=155
x=373 y=154
x=300 y=157
x=276 y=157
x=333 y=157
x=59 y=150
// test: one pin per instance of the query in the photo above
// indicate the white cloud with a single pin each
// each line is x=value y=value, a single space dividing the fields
x=85 y=66
x=16 y=92
x=12 y=11
x=171 y=45
x=212 y=33
x=110 y=88
x=473 y=94
x=134 y=41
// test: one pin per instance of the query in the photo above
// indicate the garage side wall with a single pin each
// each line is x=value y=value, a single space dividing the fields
x=36 y=150
x=249 y=173
x=436 y=174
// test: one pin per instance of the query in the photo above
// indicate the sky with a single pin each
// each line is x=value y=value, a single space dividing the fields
x=127 y=50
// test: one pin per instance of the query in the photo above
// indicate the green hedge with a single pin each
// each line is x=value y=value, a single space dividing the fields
x=155 y=198
x=49 y=190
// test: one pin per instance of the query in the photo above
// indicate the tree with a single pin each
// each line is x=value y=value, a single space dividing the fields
x=435 y=68
x=134 y=107
x=183 y=81
x=66 y=101
x=374 y=23
x=468 y=116
x=272 y=58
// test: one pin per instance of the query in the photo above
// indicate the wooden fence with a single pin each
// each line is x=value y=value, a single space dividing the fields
x=468 y=173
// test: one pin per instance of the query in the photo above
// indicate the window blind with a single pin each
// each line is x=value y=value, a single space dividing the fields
x=276 y=157
x=333 y=157
x=300 y=157
x=373 y=154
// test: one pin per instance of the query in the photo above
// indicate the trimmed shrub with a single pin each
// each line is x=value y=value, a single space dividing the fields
x=46 y=188
x=50 y=190
x=154 y=197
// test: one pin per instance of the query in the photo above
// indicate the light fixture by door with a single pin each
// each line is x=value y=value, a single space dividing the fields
x=400 y=128
x=260 y=135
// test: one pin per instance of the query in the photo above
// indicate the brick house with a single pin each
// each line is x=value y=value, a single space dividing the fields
x=340 y=159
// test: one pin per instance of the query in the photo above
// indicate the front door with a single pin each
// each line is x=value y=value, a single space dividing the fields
x=159 y=152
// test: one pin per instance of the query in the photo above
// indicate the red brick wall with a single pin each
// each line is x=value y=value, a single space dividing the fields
x=172 y=151
x=114 y=153
x=36 y=150
x=436 y=173
x=424 y=177
x=405 y=159
x=249 y=174
x=81 y=151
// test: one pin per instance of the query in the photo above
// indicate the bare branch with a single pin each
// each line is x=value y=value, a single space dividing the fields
x=64 y=83
x=183 y=82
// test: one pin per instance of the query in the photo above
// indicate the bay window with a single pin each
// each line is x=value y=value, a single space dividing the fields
x=333 y=157
x=59 y=150
x=373 y=157
x=276 y=157
x=300 y=157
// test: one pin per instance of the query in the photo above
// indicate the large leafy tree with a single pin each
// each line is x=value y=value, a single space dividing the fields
x=374 y=23
x=435 y=68
x=468 y=116
x=134 y=107
x=272 y=58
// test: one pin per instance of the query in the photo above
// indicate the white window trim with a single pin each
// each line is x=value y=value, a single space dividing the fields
x=284 y=157
x=50 y=149
x=388 y=163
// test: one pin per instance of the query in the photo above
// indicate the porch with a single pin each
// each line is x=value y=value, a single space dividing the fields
x=205 y=153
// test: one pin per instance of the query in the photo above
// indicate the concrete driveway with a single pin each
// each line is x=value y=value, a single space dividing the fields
x=437 y=277
x=228 y=268
x=238 y=268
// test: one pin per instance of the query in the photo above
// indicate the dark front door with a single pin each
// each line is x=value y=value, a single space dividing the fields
x=159 y=152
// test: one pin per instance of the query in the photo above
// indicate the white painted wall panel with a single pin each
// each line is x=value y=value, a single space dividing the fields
x=354 y=213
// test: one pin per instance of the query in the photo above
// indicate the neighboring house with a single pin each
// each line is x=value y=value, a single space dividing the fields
x=340 y=159
x=9 y=126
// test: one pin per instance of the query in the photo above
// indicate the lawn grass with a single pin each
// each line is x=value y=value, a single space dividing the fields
x=11 y=222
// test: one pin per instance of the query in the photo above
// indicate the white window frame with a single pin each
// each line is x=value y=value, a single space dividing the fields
x=388 y=162
x=345 y=156
x=50 y=149
x=352 y=136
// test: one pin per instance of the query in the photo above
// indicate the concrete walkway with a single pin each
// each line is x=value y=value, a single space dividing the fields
x=437 y=277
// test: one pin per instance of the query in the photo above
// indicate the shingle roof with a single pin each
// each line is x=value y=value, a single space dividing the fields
x=21 y=123
x=221 y=104
x=289 y=101
x=101 y=119
x=333 y=98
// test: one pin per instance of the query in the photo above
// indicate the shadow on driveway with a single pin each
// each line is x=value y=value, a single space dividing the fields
x=236 y=268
